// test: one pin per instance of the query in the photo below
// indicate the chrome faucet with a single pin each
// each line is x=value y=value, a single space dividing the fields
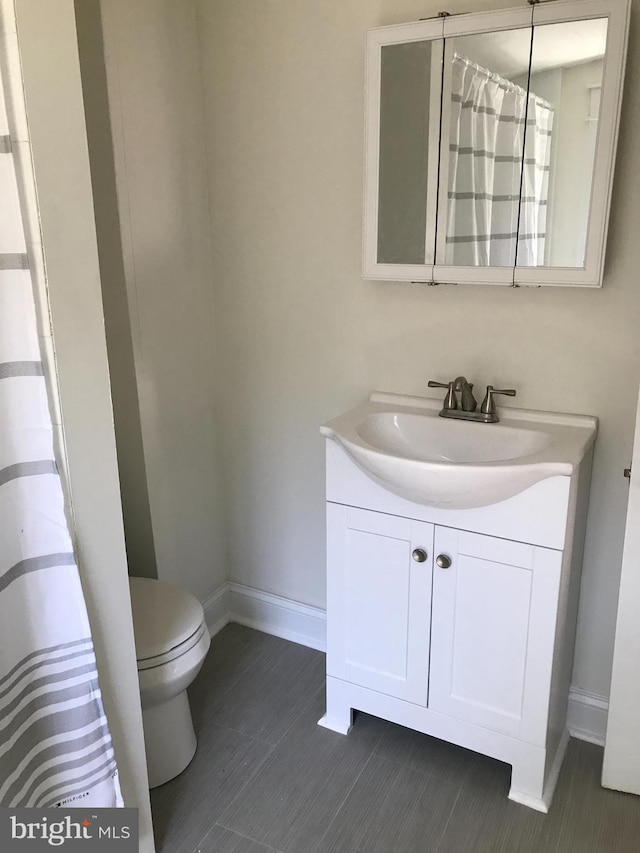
x=467 y=400
x=466 y=403
x=465 y=407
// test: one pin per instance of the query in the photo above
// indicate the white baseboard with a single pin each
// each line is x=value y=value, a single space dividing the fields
x=279 y=616
x=216 y=610
x=273 y=614
x=587 y=716
x=300 y=623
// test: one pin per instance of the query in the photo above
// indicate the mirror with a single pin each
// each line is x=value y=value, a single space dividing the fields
x=483 y=139
x=409 y=137
x=500 y=203
x=565 y=84
x=491 y=142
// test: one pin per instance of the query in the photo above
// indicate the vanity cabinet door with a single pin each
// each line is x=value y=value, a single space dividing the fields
x=493 y=629
x=379 y=601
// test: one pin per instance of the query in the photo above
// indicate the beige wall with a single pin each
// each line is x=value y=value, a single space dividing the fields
x=134 y=490
x=156 y=115
x=302 y=337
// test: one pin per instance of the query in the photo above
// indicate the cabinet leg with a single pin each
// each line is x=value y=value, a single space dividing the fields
x=339 y=716
x=527 y=784
x=530 y=785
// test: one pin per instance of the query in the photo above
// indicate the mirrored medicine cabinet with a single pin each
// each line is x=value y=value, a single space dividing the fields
x=491 y=143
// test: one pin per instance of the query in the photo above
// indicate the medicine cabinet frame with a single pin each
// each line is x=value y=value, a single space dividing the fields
x=437 y=31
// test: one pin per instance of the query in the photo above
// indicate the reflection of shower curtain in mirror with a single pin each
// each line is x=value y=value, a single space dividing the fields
x=485 y=169
x=535 y=184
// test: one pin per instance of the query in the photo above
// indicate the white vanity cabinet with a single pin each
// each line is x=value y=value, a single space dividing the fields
x=473 y=640
x=380 y=601
x=494 y=612
x=458 y=623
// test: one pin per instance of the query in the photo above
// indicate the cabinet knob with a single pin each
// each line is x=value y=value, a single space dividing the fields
x=419 y=555
x=443 y=561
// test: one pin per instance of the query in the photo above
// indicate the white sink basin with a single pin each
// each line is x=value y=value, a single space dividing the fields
x=402 y=444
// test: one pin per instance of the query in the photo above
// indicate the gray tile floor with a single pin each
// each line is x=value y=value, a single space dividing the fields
x=267 y=778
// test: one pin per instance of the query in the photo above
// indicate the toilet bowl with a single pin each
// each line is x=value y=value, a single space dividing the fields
x=172 y=641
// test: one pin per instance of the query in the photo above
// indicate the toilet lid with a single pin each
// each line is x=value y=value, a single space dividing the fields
x=164 y=616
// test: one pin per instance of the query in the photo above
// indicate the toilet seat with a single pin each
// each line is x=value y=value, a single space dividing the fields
x=168 y=621
x=172 y=654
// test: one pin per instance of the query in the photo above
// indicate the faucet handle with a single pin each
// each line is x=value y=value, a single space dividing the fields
x=488 y=404
x=450 y=401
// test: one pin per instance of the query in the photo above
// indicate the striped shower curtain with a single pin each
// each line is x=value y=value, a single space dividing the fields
x=532 y=231
x=486 y=214
x=55 y=746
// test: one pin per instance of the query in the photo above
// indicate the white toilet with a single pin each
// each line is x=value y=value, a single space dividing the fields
x=172 y=641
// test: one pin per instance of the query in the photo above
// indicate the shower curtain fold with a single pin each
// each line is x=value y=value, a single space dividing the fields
x=499 y=150
x=55 y=746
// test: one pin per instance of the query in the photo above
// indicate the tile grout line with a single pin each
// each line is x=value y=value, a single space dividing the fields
x=244 y=734
x=240 y=790
x=267 y=754
x=448 y=821
x=299 y=707
x=237 y=679
x=303 y=704
x=424 y=773
x=402 y=766
x=239 y=834
x=257 y=769
x=372 y=754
